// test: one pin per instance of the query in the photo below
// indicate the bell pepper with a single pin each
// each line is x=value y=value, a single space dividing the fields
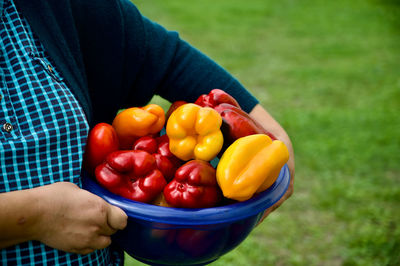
x=194 y=186
x=166 y=162
x=101 y=141
x=131 y=174
x=135 y=122
x=215 y=97
x=194 y=132
x=250 y=165
x=160 y=201
x=236 y=122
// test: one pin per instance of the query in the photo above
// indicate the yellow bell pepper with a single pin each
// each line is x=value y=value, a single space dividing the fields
x=250 y=165
x=194 y=132
x=136 y=122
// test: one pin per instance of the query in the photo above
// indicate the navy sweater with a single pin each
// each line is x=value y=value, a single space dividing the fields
x=112 y=57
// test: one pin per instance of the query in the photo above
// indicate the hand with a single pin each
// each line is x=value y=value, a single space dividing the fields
x=287 y=195
x=75 y=220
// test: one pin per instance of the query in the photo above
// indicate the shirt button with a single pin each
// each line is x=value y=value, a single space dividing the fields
x=7 y=127
x=50 y=69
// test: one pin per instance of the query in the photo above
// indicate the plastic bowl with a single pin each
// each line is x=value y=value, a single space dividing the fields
x=172 y=236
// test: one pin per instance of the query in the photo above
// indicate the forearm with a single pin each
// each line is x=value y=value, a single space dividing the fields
x=19 y=213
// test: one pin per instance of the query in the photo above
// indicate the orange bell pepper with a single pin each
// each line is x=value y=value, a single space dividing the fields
x=194 y=132
x=135 y=122
x=250 y=165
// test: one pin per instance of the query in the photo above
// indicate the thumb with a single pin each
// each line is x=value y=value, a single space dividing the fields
x=116 y=218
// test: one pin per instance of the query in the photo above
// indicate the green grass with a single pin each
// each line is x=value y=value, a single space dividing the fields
x=329 y=71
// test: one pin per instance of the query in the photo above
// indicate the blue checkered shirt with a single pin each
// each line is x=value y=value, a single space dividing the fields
x=43 y=132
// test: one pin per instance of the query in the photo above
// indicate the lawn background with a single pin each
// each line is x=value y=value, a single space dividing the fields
x=329 y=71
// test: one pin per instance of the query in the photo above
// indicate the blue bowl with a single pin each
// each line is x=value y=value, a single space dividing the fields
x=173 y=236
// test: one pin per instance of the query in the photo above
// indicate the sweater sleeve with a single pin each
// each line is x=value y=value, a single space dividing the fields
x=174 y=69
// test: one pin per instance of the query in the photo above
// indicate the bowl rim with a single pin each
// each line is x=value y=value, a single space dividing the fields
x=202 y=216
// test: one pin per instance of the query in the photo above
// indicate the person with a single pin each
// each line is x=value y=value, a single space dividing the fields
x=65 y=66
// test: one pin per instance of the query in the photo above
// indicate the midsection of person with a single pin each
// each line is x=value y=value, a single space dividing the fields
x=43 y=131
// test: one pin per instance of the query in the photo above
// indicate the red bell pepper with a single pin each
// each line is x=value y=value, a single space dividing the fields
x=194 y=186
x=166 y=162
x=236 y=122
x=101 y=141
x=131 y=174
x=198 y=242
x=216 y=97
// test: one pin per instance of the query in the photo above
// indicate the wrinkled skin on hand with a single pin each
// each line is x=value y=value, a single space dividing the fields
x=75 y=220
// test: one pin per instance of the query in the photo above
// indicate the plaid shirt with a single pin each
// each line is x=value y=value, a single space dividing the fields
x=43 y=131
